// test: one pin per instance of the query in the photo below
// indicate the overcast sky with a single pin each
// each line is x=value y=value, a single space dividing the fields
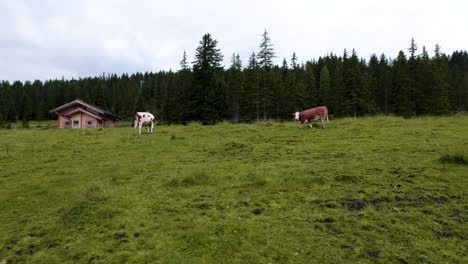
x=48 y=39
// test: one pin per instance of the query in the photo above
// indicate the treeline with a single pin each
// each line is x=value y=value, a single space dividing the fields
x=412 y=84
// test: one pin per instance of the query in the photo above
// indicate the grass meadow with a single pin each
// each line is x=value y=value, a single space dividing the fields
x=366 y=190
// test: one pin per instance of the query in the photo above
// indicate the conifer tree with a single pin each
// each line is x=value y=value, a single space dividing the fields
x=458 y=66
x=401 y=93
x=353 y=103
x=266 y=54
x=312 y=88
x=208 y=86
x=26 y=109
x=183 y=63
x=266 y=92
x=138 y=105
x=441 y=85
x=235 y=88
x=412 y=70
x=324 y=86
x=252 y=89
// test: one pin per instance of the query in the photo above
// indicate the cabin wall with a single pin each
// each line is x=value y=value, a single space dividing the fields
x=109 y=123
x=61 y=122
x=81 y=120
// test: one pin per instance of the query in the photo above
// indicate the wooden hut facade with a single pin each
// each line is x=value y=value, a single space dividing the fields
x=79 y=114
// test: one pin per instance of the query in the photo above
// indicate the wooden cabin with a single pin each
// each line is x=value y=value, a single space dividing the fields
x=78 y=114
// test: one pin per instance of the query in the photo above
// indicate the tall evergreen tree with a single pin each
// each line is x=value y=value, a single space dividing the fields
x=183 y=63
x=458 y=66
x=235 y=85
x=252 y=89
x=207 y=91
x=374 y=76
x=441 y=85
x=312 y=89
x=401 y=93
x=324 y=86
x=26 y=109
x=266 y=92
x=266 y=54
x=412 y=70
x=355 y=88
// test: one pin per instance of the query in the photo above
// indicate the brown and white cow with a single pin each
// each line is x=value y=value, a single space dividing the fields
x=141 y=118
x=309 y=115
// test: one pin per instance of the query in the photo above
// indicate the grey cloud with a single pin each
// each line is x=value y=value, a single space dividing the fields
x=51 y=38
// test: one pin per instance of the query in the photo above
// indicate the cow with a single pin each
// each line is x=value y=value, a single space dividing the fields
x=141 y=118
x=312 y=114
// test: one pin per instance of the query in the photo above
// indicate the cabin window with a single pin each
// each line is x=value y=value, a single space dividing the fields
x=76 y=123
x=89 y=124
x=67 y=124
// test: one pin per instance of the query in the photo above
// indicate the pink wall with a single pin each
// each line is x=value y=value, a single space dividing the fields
x=83 y=120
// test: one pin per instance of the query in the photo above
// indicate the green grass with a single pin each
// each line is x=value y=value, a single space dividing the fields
x=369 y=190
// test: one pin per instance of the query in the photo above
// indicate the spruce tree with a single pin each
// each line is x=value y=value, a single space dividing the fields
x=440 y=90
x=412 y=70
x=384 y=85
x=266 y=92
x=184 y=82
x=208 y=83
x=266 y=54
x=312 y=89
x=458 y=66
x=183 y=63
x=324 y=86
x=373 y=71
x=354 y=89
x=138 y=105
x=252 y=89
x=26 y=108
x=235 y=88
x=401 y=91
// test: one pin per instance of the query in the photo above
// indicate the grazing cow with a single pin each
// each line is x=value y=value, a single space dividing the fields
x=312 y=114
x=141 y=118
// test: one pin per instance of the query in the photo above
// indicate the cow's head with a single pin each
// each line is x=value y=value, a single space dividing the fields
x=296 y=116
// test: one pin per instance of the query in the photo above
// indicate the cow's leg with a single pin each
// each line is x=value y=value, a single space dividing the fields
x=311 y=125
x=301 y=123
x=152 y=126
x=323 y=122
x=140 y=124
x=135 y=124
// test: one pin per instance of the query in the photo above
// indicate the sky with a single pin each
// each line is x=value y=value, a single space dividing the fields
x=51 y=39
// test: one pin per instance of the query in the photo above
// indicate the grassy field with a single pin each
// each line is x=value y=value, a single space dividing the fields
x=369 y=190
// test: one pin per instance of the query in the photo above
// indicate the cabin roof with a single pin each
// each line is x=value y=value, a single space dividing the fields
x=68 y=114
x=92 y=108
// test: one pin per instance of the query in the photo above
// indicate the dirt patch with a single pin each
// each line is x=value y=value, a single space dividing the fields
x=327 y=220
x=347 y=178
x=380 y=200
x=204 y=206
x=122 y=237
x=372 y=253
x=236 y=147
x=423 y=199
x=258 y=211
x=436 y=199
x=346 y=247
x=402 y=261
x=355 y=205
